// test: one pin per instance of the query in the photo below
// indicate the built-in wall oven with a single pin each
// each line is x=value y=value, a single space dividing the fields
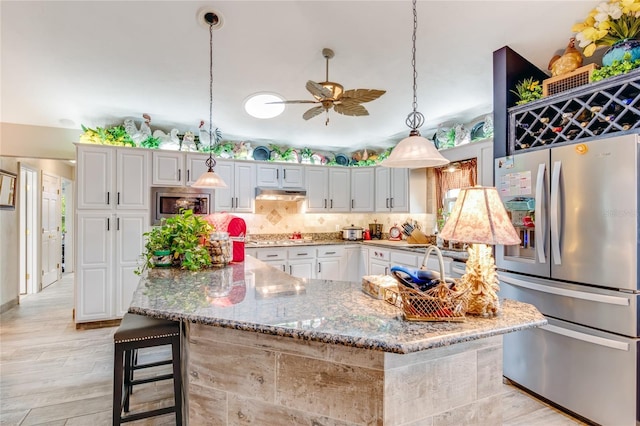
x=167 y=202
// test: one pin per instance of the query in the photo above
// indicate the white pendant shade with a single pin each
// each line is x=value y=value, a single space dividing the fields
x=209 y=180
x=414 y=152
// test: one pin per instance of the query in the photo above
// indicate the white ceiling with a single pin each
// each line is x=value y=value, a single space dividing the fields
x=67 y=63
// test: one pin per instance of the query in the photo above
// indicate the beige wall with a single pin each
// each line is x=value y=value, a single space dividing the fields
x=9 y=243
x=19 y=140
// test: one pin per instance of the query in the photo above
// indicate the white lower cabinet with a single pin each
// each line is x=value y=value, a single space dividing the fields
x=329 y=263
x=109 y=249
x=378 y=261
x=301 y=262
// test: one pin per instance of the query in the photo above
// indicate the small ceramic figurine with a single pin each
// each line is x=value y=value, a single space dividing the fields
x=570 y=60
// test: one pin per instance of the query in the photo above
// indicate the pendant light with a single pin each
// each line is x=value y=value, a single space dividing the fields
x=414 y=151
x=210 y=179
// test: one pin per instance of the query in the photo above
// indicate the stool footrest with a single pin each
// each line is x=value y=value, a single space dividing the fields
x=147 y=414
x=151 y=364
x=151 y=379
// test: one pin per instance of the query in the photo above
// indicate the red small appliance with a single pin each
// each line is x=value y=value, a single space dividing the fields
x=237 y=229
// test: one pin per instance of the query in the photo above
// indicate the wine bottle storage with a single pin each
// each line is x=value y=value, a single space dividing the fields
x=610 y=106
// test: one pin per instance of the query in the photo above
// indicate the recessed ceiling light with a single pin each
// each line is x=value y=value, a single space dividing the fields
x=258 y=106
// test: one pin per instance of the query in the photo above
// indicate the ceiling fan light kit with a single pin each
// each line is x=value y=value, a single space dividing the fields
x=330 y=94
x=414 y=151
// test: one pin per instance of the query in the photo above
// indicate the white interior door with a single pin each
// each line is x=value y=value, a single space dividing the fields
x=28 y=230
x=50 y=229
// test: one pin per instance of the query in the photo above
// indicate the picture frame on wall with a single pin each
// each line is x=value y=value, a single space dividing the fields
x=8 y=190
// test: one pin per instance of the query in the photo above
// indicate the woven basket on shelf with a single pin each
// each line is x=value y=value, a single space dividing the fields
x=440 y=303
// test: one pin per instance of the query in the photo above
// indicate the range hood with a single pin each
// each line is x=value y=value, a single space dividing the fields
x=289 y=194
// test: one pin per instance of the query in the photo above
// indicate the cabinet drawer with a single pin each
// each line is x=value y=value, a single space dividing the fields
x=404 y=258
x=271 y=254
x=301 y=253
x=376 y=253
x=330 y=251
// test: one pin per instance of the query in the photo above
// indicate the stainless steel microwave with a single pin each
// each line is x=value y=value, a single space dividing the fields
x=168 y=202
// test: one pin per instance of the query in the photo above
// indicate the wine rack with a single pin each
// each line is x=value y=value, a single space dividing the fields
x=610 y=106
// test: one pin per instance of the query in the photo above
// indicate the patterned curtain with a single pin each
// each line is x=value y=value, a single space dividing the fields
x=465 y=175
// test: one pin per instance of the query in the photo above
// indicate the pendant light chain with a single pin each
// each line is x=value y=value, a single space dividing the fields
x=415 y=119
x=210 y=162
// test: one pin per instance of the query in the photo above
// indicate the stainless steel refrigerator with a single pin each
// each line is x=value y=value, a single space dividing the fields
x=576 y=209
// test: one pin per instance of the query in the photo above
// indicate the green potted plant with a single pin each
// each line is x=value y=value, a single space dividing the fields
x=528 y=90
x=180 y=240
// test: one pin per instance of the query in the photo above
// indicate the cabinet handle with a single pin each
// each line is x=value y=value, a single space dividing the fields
x=290 y=270
x=331 y=204
x=284 y=174
x=118 y=198
x=236 y=202
x=272 y=255
x=387 y=203
x=330 y=252
x=302 y=254
x=325 y=203
x=108 y=201
x=319 y=267
x=179 y=174
x=277 y=174
x=188 y=174
x=231 y=202
x=352 y=203
x=108 y=224
x=386 y=270
x=117 y=224
x=284 y=268
x=391 y=202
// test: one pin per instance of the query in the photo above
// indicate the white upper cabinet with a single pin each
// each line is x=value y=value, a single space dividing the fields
x=362 y=189
x=177 y=168
x=328 y=189
x=112 y=178
x=280 y=176
x=239 y=196
x=391 y=189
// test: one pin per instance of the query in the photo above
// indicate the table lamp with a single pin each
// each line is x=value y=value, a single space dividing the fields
x=479 y=218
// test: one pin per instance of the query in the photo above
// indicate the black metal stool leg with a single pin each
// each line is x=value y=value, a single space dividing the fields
x=118 y=376
x=177 y=378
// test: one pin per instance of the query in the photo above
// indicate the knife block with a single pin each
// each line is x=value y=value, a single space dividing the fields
x=417 y=237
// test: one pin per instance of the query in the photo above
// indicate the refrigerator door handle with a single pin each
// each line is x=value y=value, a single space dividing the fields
x=554 y=210
x=592 y=297
x=541 y=230
x=601 y=341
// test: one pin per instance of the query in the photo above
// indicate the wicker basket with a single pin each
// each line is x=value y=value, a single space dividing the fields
x=440 y=303
x=561 y=83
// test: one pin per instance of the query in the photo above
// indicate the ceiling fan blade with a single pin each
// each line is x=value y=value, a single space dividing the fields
x=293 y=102
x=353 y=109
x=318 y=90
x=363 y=95
x=310 y=113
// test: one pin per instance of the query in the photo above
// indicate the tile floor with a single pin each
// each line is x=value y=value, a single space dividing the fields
x=52 y=374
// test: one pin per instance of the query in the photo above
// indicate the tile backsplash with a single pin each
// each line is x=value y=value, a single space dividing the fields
x=284 y=217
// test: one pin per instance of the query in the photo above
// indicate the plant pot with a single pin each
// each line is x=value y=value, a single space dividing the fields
x=162 y=258
x=617 y=51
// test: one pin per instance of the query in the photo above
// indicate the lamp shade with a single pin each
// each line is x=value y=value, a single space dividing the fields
x=479 y=217
x=414 y=152
x=209 y=180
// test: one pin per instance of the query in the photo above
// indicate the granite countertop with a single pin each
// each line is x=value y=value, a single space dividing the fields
x=254 y=296
x=461 y=255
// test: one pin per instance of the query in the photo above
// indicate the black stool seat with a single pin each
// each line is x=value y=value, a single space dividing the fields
x=136 y=332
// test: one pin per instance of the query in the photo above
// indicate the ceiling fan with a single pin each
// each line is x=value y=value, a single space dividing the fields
x=330 y=94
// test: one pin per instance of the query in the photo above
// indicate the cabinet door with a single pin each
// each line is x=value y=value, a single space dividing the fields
x=224 y=196
x=330 y=268
x=129 y=240
x=167 y=168
x=339 y=190
x=244 y=187
x=292 y=176
x=268 y=175
x=196 y=166
x=132 y=182
x=382 y=189
x=317 y=189
x=301 y=268
x=399 y=190
x=362 y=193
x=94 y=177
x=377 y=267
x=93 y=287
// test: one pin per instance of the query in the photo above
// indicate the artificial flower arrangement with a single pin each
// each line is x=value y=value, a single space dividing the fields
x=608 y=23
x=528 y=90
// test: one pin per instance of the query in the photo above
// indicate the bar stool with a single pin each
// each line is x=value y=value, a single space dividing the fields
x=135 y=332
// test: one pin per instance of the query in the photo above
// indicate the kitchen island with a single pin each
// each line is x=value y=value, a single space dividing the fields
x=263 y=347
